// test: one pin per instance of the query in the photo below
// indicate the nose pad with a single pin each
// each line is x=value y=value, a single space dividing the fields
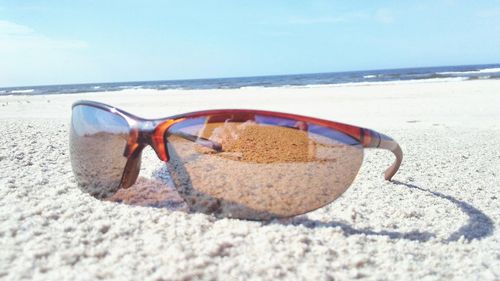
x=132 y=169
x=159 y=145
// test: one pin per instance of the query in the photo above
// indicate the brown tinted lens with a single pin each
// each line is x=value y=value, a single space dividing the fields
x=97 y=142
x=268 y=167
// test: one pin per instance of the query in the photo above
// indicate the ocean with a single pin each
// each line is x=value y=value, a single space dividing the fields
x=442 y=73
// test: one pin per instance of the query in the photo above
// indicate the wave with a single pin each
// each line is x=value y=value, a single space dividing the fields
x=327 y=85
x=259 y=87
x=364 y=83
x=480 y=71
x=357 y=78
x=27 y=91
x=482 y=77
x=449 y=79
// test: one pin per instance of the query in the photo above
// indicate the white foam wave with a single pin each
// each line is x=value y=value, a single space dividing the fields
x=484 y=77
x=22 y=91
x=450 y=79
x=430 y=80
x=369 y=76
x=490 y=70
x=485 y=70
x=256 y=87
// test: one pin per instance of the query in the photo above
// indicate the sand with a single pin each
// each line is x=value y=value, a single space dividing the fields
x=438 y=220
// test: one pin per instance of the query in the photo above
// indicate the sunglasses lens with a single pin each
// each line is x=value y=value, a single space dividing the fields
x=268 y=167
x=97 y=142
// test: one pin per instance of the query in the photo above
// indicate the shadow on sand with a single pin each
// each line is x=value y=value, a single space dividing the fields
x=478 y=225
x=157 y=193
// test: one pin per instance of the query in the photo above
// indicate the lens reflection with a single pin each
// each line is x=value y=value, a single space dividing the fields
x=97 y=142
x=268 y=167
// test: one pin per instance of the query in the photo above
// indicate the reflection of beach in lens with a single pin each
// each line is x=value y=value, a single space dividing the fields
x=264 y=171
x=97 y=142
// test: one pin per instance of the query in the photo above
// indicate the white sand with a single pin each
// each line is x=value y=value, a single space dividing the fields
x=439 y=223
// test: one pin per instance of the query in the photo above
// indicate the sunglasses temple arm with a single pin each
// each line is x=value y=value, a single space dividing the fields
x=382 y=141
x=378 y=140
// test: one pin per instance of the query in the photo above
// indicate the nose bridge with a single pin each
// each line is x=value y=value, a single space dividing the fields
x=145 y=131
x=139 y=137
x=151 y=132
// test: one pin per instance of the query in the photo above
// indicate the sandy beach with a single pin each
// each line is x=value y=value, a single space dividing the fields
x=438 y=219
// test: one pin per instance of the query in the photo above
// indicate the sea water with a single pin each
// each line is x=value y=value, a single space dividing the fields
x=405 y=75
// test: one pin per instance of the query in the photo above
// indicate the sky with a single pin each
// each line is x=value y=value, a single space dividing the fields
x=85 y=41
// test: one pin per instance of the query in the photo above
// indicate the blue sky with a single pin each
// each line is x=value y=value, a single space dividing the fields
x=55 y=42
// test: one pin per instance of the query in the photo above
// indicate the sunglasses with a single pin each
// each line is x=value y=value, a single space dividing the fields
x=247 y=164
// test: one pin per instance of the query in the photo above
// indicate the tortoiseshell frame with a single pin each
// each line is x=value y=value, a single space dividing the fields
x=152 y=132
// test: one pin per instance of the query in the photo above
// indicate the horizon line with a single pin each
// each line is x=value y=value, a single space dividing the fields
x=240 y=77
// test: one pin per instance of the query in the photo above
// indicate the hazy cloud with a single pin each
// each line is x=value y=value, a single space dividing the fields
x=345 y=18
x=383 y=16
x=316 y=20
x=489 y=13
x=16 y=37
x=450 y=2
x=29 y=57
x=10 y=28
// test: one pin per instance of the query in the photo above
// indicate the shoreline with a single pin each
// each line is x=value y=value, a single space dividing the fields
x=349 y=104
x=25 y=92
x=338 y=78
